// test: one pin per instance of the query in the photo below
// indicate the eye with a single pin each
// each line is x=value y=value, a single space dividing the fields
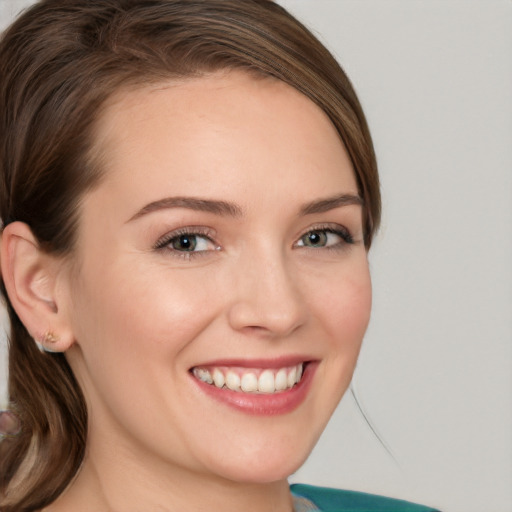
x=186 y=242
x=189 y=243
x=325 y=237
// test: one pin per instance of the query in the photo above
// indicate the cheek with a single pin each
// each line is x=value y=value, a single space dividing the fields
x=343 y=312
x=133 y=328
x=137 y=311
x=344 y=304
x=132 y=323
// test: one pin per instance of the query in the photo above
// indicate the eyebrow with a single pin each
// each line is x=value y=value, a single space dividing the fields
x=192 y=203
x=330 y=203
x=225 y=208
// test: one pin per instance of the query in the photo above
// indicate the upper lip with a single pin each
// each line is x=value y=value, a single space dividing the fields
x=278 y=362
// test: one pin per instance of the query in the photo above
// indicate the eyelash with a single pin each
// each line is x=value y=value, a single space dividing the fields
x=201 y=232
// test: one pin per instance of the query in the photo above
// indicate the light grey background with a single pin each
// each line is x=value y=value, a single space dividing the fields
x=435 y=373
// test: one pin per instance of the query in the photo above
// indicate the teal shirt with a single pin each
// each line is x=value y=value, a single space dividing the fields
x=335 y=500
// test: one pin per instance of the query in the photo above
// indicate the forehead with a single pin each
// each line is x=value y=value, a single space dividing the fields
x=221 y=135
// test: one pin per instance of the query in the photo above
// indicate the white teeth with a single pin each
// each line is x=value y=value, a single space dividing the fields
x=203 y=375
x=218 y=378
x=266 y=383
x=299 y=372
x=292 y=377
x=246 y=380
x=281 y=380
x=232 y=381
x=249 y=382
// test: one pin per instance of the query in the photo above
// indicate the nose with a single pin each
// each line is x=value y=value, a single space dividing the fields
x=266 y=299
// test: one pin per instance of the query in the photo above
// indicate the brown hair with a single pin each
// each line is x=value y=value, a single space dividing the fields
x=59 y=63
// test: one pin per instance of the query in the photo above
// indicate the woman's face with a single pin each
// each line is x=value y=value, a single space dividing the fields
x=225 y=244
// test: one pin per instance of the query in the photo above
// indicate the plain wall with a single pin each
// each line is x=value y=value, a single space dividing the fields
x=435 y=373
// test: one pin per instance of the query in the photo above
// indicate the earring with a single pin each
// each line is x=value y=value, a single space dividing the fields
x=49 y=338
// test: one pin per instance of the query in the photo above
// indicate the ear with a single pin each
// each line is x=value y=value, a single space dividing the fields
x=37 y=285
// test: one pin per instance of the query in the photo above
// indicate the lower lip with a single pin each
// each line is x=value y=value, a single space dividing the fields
x=263 y=404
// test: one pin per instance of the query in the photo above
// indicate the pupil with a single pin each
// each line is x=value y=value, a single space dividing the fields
x=185 y=242
x=316 y=238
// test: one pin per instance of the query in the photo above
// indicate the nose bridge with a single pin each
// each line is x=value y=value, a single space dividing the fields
x=266 y=295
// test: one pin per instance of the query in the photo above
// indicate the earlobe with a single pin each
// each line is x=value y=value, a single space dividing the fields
x=31 y=279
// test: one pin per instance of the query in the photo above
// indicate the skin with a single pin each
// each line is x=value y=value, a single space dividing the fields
x=135 y=319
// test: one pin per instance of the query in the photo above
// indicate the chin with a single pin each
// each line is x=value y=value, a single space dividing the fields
x=261 y=472
x=267 y=464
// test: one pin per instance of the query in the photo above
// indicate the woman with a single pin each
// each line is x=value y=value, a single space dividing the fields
x=189 y=192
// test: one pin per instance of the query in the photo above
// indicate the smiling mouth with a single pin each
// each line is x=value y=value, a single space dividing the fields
x=251 y=380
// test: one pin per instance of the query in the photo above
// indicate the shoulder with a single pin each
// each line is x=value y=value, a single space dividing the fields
x=336 y=500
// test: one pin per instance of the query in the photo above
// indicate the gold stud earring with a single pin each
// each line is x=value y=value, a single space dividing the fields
x=49 y=338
